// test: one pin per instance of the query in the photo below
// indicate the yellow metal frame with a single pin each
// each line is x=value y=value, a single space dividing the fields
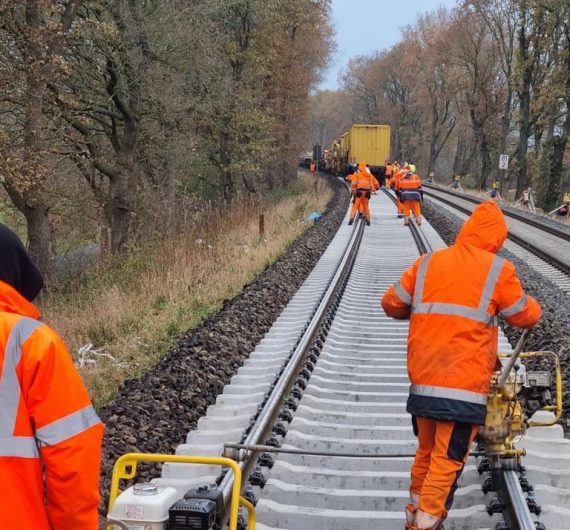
x=125 y=468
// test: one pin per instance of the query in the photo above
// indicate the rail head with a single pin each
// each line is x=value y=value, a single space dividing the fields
x=517 y=512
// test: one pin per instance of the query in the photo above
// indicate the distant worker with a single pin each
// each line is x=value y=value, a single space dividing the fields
x=410 y=196
x=453 y=298
x=312 y=168
x=389 y=172
x=396 y=181
x=50 y=435
x=362 y=186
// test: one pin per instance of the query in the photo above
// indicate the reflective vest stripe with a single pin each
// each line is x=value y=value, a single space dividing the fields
x=457 y=310
x=402 y=294
x=19 y=446
x=478 y=314
x=68 y=426
x=448 y=393
x=420 y=279
x=515 y=308
x=490 y=283
x=9 y=384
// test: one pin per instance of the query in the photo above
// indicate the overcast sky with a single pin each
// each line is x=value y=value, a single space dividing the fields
x=364 y=26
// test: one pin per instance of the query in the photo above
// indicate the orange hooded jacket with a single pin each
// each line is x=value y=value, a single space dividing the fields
x=453 y=297
x=50 y=435
x=363 y=179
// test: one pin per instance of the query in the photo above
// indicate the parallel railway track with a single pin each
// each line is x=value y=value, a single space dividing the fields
x=546 y=248
x=330 y=377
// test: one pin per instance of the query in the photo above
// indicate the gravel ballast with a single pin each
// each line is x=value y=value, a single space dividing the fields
x=154 y=413
x=553 y=330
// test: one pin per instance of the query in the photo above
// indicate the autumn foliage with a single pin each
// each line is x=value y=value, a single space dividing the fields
x=464 y=86
x=118 y=117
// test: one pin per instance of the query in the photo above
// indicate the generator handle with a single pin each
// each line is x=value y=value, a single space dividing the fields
x=513 y=358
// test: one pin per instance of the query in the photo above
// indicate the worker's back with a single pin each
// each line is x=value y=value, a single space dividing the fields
x=455 y=296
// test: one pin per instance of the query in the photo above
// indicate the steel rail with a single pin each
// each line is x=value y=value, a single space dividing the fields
x=516 y=508
x=509 y=213
x=419 y=237
x=270 y=411
x=562 y=266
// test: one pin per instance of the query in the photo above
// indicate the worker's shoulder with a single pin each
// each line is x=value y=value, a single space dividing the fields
x=39 y=336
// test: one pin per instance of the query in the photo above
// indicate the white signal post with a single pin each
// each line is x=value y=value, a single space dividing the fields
x=503 y=166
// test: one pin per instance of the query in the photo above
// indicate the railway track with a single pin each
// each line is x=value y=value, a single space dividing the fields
x=544 y=247
x=330 y=378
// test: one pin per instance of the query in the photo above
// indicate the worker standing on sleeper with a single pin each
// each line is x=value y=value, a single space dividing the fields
x=453 y=298
x=363 y=184
x=396 y=182
x=50 y=435
x=410 y=196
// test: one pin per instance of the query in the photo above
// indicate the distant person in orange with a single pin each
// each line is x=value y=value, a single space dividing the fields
x=389 y=173
x=396 y=182
x=362 y=186
x=453 y=298
x=312 y=168
x=410 y=196
x=50 y=435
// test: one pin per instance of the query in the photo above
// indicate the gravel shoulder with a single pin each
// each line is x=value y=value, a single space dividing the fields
x=553 y=330
x=155 y=412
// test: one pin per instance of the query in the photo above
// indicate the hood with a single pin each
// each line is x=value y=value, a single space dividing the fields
x=16 y=267
x=362 y=166
x=485 y=229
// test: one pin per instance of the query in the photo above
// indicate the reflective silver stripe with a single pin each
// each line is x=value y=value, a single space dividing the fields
x=19 y=446
x=68 y=426
x=490 y=283
x=402 y=294
x=457 y=310
x=420 y=279
x=9 y=384
x=515 y=308
x=448 y=393
x=478 y=314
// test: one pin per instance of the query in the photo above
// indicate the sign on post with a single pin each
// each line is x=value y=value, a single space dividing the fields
x=503 y=161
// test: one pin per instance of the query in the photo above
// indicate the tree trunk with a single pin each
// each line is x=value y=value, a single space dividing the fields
x=122 y=189
x=505 y=125
x=40 y=237
x=523 y=180
x=31 y=203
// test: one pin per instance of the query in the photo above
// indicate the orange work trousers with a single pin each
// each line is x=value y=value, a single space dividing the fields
x=413 y=206
x=360 y=204
x=440 y=458
x=399 y=205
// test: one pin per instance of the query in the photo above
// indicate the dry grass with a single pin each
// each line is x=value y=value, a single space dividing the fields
x=135 y=309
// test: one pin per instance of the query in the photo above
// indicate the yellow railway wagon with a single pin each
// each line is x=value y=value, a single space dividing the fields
x=369 y=143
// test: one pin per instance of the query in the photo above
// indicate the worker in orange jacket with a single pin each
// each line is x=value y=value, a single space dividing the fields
x=453 y=298
x=389 y=173
x=363 y=184
x=396 y=180
x=50 y=435
x=410 y=196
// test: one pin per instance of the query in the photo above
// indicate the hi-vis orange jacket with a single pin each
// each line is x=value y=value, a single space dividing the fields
x=50 y=435
x=454 y=296
x=363 y=180
x=409 y=186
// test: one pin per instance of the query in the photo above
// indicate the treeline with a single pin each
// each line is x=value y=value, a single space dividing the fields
x=118 y=117
x=489 y=77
